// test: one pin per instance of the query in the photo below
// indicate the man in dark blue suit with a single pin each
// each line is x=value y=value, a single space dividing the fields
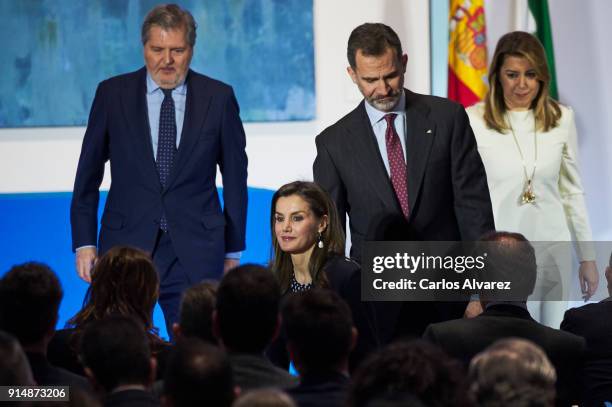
x=164 y=128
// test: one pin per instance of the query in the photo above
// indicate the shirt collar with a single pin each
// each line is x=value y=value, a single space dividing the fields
x=181 y=89
x=376 y=115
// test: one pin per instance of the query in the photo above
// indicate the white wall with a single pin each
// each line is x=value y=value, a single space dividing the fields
x=45 y=159
x=581 y=37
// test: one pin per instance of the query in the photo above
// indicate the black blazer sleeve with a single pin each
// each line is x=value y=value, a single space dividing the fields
x=471 y=192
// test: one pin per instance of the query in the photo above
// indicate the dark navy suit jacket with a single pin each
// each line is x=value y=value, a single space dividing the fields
x=212 y=134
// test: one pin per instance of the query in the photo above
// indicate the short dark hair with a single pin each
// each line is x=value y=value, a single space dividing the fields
x=116 y=349
x=30 y=296
x=198 y=374
x=510 y=257
x=197 y=305
x=372 y=39
x=247 y=308
x=14 y=366
x=169 y=17
x=415 y=367
x=318 y=325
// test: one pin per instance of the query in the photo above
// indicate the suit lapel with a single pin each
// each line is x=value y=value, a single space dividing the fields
x=366 y=153
x=420 y=133
x=196 y=108
x=134 y=103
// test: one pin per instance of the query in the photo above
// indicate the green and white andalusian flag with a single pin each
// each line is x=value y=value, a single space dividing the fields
x=532 y=16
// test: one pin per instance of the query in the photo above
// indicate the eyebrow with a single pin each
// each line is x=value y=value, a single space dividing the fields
x=515 y=70
x=387 y=76
x=292 y=213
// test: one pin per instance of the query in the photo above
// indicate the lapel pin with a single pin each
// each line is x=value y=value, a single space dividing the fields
x=428 y=131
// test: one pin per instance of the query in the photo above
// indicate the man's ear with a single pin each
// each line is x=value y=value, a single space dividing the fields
x=176 y=330
x=153 y=373
x=91 y=377
x=354 y=337
x=404 y=60
x=352 y=74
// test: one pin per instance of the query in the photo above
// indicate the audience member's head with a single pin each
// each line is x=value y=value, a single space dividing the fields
x=123 y=282
x=198 y=374
x=115 y=352
x=416 y=368
x=30 y=295
x=195 y=316
x=512 y=372
x=246 y=318
x=14 y=366
x=264 y=398
x=510 y=257
x=320 y=332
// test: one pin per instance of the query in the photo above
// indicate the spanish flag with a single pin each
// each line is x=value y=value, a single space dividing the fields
x=467 y=52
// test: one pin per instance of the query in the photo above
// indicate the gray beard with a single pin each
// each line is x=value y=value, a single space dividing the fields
x=387 y=105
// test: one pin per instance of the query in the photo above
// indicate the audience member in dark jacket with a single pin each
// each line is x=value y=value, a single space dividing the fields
x=246 y=319
x=117 y=359
x=14 y=366
x=512 y=258
x=124 y=282
x=30 y=296
x=593 y=323
x=195 y=313
x=198 y=374
x=320 y=336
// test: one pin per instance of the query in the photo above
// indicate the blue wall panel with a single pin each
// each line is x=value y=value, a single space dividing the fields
x=36 y=226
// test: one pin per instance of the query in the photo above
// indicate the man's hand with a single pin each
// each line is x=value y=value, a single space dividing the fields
x=229 y=264
x=589 y=278
x=85 y=259
x=473 y=309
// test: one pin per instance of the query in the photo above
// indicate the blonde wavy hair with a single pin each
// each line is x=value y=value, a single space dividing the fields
x=546 y=110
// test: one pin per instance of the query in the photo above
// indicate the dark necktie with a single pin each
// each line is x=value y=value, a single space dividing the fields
x=166 y=144
x=397 y=165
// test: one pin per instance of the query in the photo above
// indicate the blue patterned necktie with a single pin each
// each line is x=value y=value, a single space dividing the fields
x=166 y=144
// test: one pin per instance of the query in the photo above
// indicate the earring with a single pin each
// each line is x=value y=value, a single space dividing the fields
x=320 y=244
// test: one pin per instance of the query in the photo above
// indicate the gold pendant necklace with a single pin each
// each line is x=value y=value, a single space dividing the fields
x=528 y=196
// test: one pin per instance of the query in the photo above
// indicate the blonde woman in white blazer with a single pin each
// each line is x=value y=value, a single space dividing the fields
x=527 y=142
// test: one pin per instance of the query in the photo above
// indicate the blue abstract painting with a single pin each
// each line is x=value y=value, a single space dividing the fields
x=56 y=51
